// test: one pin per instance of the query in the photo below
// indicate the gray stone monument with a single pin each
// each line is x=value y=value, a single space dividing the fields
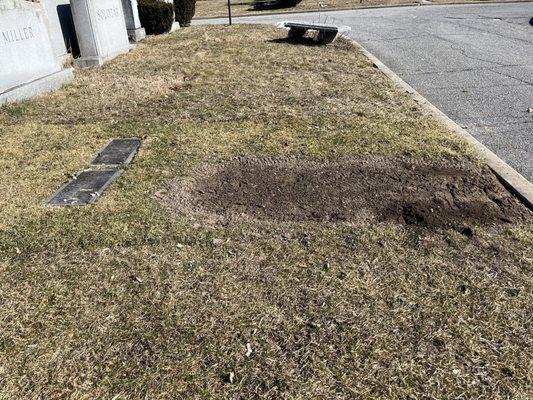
x=28 y=65
x=133 y=24
x=101 y=31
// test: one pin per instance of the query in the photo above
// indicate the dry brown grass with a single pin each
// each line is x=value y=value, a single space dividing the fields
x=120 y=300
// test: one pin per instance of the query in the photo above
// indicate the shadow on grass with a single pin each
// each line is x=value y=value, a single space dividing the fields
x=306 y=41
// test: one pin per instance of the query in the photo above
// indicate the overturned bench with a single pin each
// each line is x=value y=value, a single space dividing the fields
x=326 y=33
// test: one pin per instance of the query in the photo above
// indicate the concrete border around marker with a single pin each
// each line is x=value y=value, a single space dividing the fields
x=513 y=180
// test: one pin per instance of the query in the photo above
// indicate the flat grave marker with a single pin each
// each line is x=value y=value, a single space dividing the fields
x=118 y=152
x=86 y=188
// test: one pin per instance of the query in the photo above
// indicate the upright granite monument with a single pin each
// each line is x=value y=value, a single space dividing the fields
x=133 y=23
x=28 y=65
x=101 y=31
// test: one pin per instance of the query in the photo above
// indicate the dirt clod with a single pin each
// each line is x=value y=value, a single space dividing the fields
x=356 y=191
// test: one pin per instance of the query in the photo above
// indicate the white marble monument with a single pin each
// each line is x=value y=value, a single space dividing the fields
x=28 y=65
x=101 y=31
x=135 y=31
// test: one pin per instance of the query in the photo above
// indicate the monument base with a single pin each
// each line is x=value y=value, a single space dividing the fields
x=98 y=61
x=45 y=84
x=136 y=35
x=175 y=26
x=64 y=59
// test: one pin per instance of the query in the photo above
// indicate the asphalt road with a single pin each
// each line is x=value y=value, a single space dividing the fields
x=474 y=62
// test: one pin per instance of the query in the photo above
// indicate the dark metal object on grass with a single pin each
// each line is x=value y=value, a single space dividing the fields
x=85 y=188
x=118 y=152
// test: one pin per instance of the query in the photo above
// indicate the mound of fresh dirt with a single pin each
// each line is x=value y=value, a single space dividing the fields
x=355 y=191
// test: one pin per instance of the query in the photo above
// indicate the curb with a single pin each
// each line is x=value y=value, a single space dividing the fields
x=370 y=7
x=510 y=178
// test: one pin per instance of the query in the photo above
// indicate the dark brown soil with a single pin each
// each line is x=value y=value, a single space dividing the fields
x=354 y=191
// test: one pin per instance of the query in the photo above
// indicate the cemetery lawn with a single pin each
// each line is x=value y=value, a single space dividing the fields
x=219 y=8
x=129 y=299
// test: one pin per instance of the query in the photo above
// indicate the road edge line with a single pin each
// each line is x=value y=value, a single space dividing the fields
x=511 y=178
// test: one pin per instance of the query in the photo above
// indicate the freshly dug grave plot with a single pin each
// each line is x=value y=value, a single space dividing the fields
x=356 y=191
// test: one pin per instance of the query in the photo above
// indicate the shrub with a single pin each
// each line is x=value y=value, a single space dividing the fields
x=184 y=10
x=156 y=16
x=289 y=3
x=273 y=4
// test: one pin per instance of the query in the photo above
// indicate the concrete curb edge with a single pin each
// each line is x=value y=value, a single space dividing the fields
x=514 y=182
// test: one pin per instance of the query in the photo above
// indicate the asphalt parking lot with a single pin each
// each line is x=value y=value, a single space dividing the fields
x=474 y=62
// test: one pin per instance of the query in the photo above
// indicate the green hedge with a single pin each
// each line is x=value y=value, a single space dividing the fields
x=156 y=16
x=274 y=4
x=184 y=10
x=290 y=3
